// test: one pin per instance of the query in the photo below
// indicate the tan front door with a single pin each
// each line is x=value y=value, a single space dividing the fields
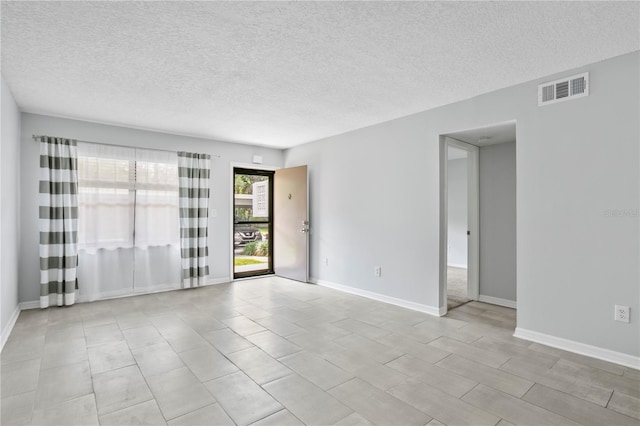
x=291 y=224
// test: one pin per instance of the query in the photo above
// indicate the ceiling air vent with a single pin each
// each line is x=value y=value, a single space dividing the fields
x=563 y=89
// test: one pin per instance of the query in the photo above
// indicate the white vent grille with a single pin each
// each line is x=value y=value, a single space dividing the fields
x=563 y=89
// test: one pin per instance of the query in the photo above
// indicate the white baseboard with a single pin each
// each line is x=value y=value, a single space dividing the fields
x=455 y=265
x=215 y=281
x=33 y=304
x=579 y=348
x=6 y=331
x=498 y=301
x=382 y=298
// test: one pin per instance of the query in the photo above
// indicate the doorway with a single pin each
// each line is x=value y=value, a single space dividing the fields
x=488 y=203
x=252 y=222
x=270 y=228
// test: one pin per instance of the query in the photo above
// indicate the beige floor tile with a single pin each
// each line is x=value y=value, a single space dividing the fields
x=624 y=404
x=201 y=323
x=63 y=383
x=353 y=419
x=207 y=363
x=576 y=409
x=69 y=351
x=473 y=353
x=316 y=343
x=420 y=335
x=500 y=346
x=145 y=335
x=156 y=359
x=63 y=331
x=110 y=356
x=177 y=402
x=369 y=349
x=440 y=378
x=579 y=359
x=242 y=398
x=279 y=326
x=293 y=346
x=121 y=388
x=258 y=365
x=19 y=377
x=132 y=320
x=306 y=401
x=377 y=406
x=80 y=411
x=325 y=329
x=492 y=377
x=96 y=319
x=598 y=377
x=17 y=409
x=22 y=349
x=188 y=342
x=103 y=334
x=316 y=370
x=442 y=406
x=348 y=360
x=281 y=418
x=178 y=392
x=363 y=329
x=414 y=348
x=227 y=341
x=513 y=409
x=631 y=373
x=565 y=383
x=381 y=376
x=145 y=413
x=172 y=380
x=210 y=415
x=273 y=344
x=243 y=325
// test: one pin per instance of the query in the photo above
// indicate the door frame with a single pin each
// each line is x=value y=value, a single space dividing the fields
x=232 y=167
x=473 y=218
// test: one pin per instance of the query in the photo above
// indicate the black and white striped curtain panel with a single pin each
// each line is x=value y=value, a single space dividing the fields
x=58 y=221
x=194 y=171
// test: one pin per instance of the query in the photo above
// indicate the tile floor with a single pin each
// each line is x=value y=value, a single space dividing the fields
x=276 y=352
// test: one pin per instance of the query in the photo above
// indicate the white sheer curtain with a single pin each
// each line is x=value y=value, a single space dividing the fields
x=128 y=221
x=157 y=221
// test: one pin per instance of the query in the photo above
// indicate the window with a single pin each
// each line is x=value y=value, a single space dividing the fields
x=128 y=221
x=127 y=197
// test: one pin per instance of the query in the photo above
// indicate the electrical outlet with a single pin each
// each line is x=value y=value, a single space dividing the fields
x=326 y=261
x=377 y=271
x=622 y=313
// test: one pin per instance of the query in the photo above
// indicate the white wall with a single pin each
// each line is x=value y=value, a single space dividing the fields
x=498 y=221
x=457 y=212
x=219 y=226
x=10 y=212
x=375 y=201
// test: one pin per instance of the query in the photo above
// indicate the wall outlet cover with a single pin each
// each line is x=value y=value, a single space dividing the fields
x=621 y=313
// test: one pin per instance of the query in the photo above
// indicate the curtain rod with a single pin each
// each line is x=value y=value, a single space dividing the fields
x=36 y=137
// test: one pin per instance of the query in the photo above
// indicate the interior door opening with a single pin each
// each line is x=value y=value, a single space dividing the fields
x=252 y=222
x=478 y=232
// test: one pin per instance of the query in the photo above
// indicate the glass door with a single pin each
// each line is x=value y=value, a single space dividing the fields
x=253 y=226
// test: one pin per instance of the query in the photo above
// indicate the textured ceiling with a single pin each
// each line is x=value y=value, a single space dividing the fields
x=280 y=74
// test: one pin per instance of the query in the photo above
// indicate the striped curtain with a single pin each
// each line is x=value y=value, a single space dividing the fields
x=58 y=221
x=193 y=172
